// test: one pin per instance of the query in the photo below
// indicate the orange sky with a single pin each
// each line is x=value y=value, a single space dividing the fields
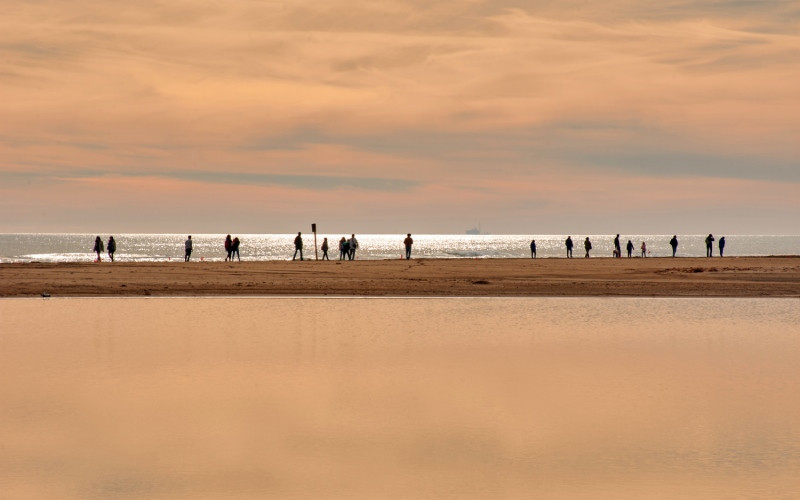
x=392 y=116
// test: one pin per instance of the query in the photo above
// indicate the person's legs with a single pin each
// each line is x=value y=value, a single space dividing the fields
x=408 y=253
x=295 y=253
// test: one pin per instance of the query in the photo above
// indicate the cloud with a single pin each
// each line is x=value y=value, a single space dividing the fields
x=446 y=99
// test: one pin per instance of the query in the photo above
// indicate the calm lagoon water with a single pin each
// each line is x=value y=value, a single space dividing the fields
x=399 y=398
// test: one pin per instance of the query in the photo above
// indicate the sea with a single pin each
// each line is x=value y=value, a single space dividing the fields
x=362 y=398
x=77 y=247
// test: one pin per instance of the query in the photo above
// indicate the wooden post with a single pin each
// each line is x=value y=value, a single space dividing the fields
x=314 y=230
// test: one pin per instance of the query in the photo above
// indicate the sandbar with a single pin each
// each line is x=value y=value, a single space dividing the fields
x=637 y=277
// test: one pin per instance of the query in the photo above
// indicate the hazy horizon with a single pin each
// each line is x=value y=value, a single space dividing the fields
x=387 y=116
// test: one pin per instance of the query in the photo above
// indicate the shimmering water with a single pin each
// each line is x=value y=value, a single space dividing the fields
x=162 y=247
x=399 y=398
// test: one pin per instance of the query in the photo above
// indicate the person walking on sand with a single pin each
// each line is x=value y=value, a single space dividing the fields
x=644 y=249
x=325 y=249
x=188 y=247
x=629 y=247
x=721 y=245
x=533 y=249
x=617 y=248
x=674 y=244
x=353 y=246
x=569 y=246
x=343 y=250
x=298 y=246
x=408 y=242
x=709 y=245
x=112 y=247
x=228 y=247
x=235 y=249
x=98 y=248
x=588 y=246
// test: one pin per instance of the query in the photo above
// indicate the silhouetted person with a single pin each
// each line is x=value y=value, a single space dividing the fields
x=569 y=246
x=235 y=249
x=721 y=245
x=533 y=249
x=709 y=245
x=617 y=248
x=674 y=244
x=298 y=246
x=325 y=249
x=588 y=246
x=408 y=242
x=629 y=247
x=353 y=247
x=112 y=247
x=644 y=249
x=228 y=248
x=343 y=248
x=98 y=248
x=188 y=247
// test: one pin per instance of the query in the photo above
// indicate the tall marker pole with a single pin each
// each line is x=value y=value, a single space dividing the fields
x=314 y=230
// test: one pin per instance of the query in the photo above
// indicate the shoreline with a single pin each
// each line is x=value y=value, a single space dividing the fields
x=777 y=276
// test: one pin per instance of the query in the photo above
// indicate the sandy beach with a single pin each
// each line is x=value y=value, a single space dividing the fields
x=654 y=277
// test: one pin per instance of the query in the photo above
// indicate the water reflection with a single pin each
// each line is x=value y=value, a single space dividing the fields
x=366 y=398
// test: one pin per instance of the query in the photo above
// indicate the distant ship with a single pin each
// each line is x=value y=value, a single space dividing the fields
x=474 y=230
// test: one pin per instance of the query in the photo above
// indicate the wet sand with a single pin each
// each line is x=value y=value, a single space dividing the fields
x=637 y=277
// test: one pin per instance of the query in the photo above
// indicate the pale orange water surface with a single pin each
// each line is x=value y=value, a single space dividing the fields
x=399 y=398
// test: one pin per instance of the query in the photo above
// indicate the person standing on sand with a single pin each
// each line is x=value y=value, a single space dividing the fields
x=235 y=249
x=298 y=246
x=98 y=248
x=353 y=246
x=617 y=248
x=112 y=247
x=644 y=249
x=228 y=247
x=342 y=248
x=588 y=246
x=188 y=247
x=709 y=245
x=533 y=249
x=721 y=245
x=325 y=249
x=569 y=247
x=674 y=244
x=408 y=242
x=629 y=247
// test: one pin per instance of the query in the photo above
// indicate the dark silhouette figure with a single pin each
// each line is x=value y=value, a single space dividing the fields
x=188 y=247
x=533 y=249
x=709 y=245
x=325 y=249
x=235 y=249
x=112 y=248
x=98 y=248
x=721 y=246
x=298 y=246
x=344 y=248
x=644 y=249
x=353 y=247
x=588 y=246
x=569 y=246
x=408 y=242
x=617 y=248
x=629 y=247
x=674 y=244
x=228 y=247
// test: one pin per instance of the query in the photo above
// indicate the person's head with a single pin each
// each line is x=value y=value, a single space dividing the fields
x=352 y=235
x=298 y=233
x=409 y=235
x=190 y=236
x=617 y=235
